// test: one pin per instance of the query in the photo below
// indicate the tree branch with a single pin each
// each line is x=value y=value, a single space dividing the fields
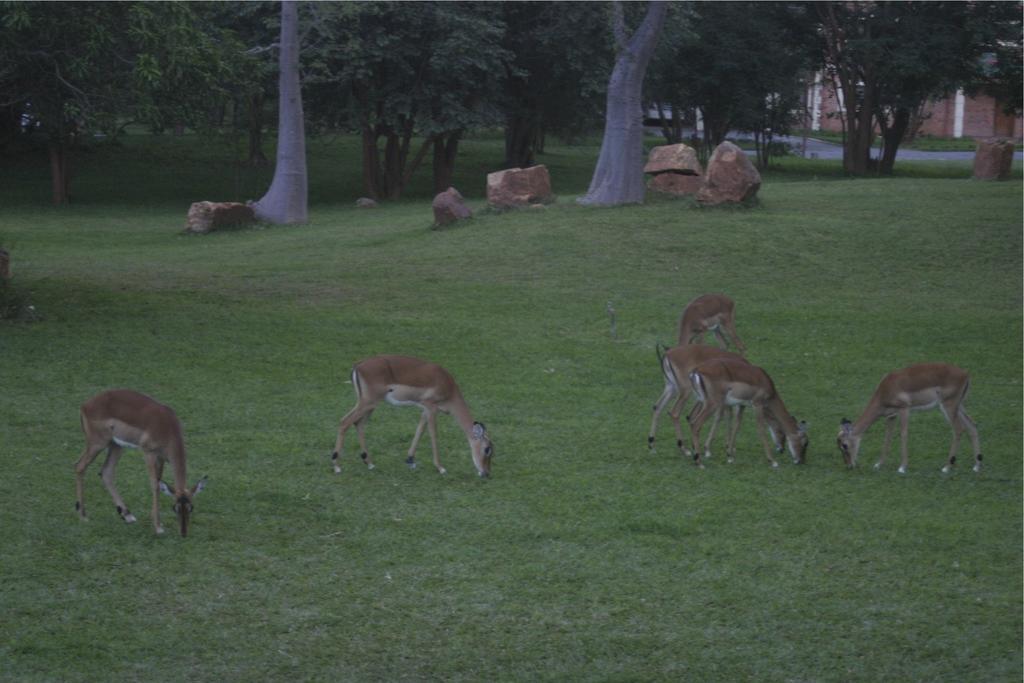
x=619 y=26
x=260 y=49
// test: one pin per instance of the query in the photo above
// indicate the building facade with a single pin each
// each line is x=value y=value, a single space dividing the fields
x=958 y=116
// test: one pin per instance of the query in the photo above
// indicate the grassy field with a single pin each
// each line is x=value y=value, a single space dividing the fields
x=585 y=557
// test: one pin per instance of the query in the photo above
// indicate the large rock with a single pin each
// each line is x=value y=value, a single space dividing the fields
x=519 y=187
x=449 y=206
x=730 y=178
x=676 y=183
x=993 y=159
x=206 y=216
x=676 y=158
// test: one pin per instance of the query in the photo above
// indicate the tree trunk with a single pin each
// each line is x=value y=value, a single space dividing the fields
x=716 y=128
x=671 y=127
x=859 y=128
x=892 y=135
x=372 y=182
x=392 y=165
x=865 y=132
x=10 y=125
x=444 y=160
x=856 y=114
x=521 y=134
x=256 y=155
x=286 y=200
x=618 y=177
x=59 y=171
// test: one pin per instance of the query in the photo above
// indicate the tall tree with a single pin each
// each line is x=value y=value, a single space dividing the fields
x=741 y=64
x=887 y=58
x=397 y=71
x=618 y=177
x=287 y=199
x=555 y=80
x=81 y=68
x=256 y=26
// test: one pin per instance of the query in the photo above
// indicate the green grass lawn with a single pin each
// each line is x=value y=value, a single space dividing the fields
x=585 y=557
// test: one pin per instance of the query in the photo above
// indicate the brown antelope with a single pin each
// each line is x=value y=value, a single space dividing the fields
x=726 y=382
x=709 y=312
x=918 y=387
x=676 y=365
x=401 y=381
x=120 y=419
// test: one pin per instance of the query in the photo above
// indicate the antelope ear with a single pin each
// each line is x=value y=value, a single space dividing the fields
x=478 y=430
x=200 y=485
x=802 y=427
x=166 y=489
x=845 y=426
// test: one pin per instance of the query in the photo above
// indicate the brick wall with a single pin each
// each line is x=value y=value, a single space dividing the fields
x=940 y=118
x=983 y=117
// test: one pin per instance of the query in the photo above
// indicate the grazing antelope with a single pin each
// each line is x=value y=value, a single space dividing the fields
x=120 y=419
x=401 y=381
x=709 y=312
x=918 y=387
x=726 y=382
x=679 y=362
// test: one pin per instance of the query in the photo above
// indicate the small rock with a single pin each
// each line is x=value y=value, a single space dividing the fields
x=449 y=206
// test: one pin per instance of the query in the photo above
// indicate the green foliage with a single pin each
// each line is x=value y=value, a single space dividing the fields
x=585 y=557
x=392 y=70
x=81 y=67
x=561 y=57
x=890 y=57
x=433 y=65
x=997 y=27
x=741 y=63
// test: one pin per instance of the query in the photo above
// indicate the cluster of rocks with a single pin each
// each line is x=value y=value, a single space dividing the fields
x=675 y=169
x=509 y=189
x=204 y=217
x=730 y=178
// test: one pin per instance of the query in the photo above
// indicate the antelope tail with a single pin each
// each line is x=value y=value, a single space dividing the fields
x=357 y=385
x=698 y=386
x=667 y=368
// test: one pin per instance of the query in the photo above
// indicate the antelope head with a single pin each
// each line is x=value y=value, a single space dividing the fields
x=848 y=443
x=802 y=441
x=183 y=502
x=483 y=449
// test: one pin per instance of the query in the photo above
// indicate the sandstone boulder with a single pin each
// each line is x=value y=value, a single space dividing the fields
x=675 y=158
x=449 y=206
x=730 y=178
x=993 y=159
x=517 y=187
x=676 y=183
x=206 y=216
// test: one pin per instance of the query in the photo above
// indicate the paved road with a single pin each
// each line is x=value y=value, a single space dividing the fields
x=818 y=149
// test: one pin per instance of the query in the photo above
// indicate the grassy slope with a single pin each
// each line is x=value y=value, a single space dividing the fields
x=585 y=557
